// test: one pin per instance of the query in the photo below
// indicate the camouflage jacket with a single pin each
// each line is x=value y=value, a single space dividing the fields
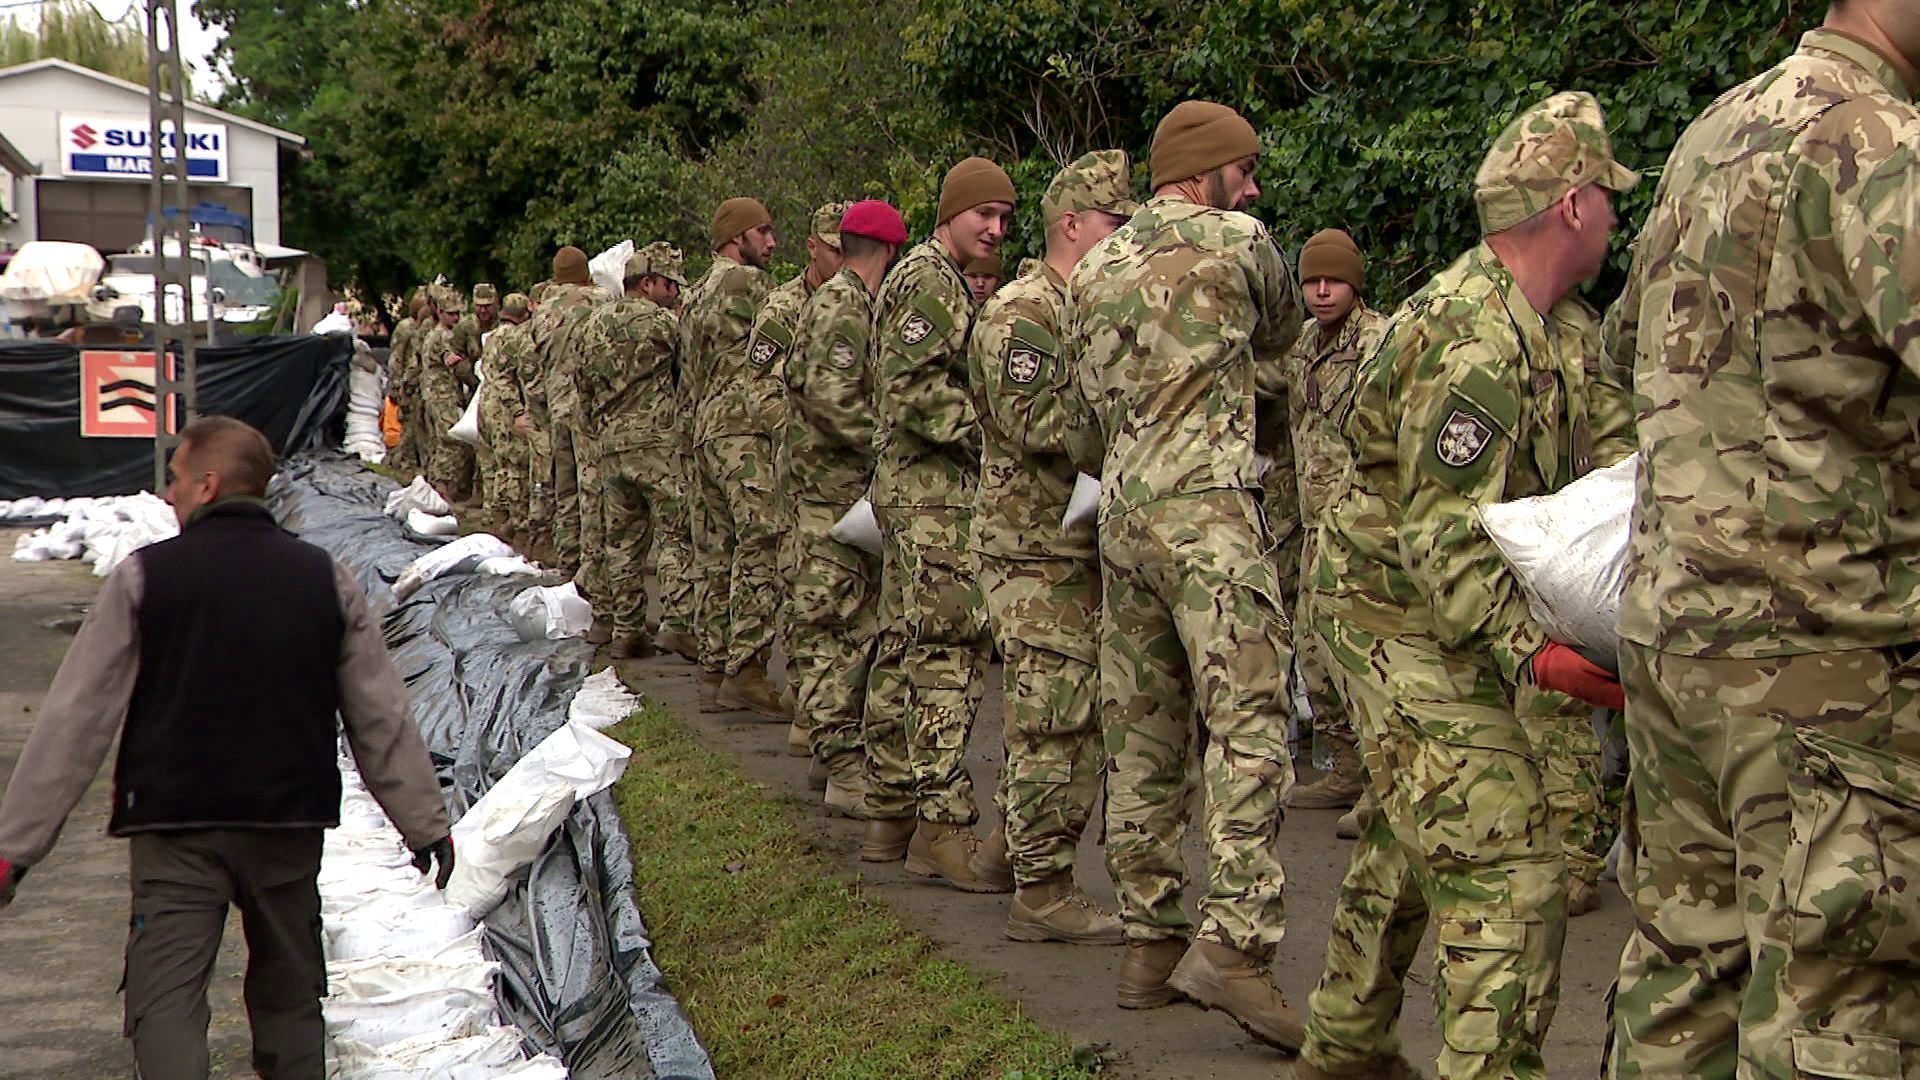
x=563 y=306
x=1320 y=379
x=718 y=321
x=827 y=455
x=502 y=365
x=1180 y=322
x=767 y=351
x=467 y=341
x=627 y=379
x=927 y=450
x=1025 y=395
x=1471 y=398
x=439 y=382
x=403 y=358
x=1772 y=322
x=563 y=351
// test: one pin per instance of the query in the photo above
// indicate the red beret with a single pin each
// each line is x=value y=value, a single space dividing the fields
x=876 y=220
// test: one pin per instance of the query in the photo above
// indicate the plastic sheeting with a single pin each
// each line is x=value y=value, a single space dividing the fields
x=577 y=976
x=294 y=389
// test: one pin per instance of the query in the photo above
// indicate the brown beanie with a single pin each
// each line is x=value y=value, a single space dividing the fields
x=735 y=217
x=1333 y=254
x=970 y=183
x=570 y=266
x=1198 y=137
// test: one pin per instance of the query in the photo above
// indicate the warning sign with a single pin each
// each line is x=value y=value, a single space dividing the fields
x=116 y=394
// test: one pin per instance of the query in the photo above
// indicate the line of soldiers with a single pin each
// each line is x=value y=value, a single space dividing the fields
x=1273 y=491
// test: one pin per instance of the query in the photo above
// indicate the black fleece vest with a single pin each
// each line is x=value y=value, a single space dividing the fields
x=233 y=718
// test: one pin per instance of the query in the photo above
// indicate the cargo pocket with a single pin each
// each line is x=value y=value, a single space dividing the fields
x=1852 y=873
x=1484 y=980
x=945 y=606
x=1845 y=1057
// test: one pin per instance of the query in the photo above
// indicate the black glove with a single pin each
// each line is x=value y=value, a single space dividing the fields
x=441 y=850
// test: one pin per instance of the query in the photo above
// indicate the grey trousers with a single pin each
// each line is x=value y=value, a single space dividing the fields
x=183 y=883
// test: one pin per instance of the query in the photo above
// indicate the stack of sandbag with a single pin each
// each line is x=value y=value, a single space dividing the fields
x=100 y=531
x=366 y=397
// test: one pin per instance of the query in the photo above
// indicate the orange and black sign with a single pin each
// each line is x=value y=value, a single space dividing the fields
x=116 y=394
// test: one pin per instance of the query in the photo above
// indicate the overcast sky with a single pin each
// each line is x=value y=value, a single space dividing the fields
x=196 y=41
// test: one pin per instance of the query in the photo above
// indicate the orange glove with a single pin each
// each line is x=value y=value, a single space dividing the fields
x=1558 y=667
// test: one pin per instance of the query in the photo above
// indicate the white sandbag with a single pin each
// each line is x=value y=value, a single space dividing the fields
x=1084 y=503
x=504 y=831
x=334 y=322
x=103 y=531
x=550 y=613
x=467 y=428
x=601 y=701
x=459 y=557
x=609 y=268
x=482 y=1055
x=421 y=523
x=506 y=566
x=398 y=931
x=418 y=495
x=395 y=1017
x=859 y=528
x=1569 y=552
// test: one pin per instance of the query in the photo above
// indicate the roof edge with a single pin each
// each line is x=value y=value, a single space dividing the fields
x=55 y=63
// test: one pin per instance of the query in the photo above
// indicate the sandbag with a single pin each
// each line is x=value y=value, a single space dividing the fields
x=859 y=528
x=461 y=556
x=549 y=613
x=609 y=268
x=1569 y=552
x=1084 y=503
x=467 y=428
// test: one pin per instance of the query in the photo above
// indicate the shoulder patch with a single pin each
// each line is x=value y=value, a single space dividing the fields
x=1023 y=364
x=925 y=322
x=916 y=328
x=1462 y=439
x=764 y=350
x=1461 y=448
x=842 y=354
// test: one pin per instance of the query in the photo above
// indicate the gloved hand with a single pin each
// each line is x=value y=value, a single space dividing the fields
x=1558 y=667
x=10 y=876
x=440 y=850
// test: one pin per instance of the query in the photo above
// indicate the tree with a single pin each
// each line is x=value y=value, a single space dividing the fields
x=72 y=30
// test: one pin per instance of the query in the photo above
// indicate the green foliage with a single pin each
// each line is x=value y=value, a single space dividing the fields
x=74 y=31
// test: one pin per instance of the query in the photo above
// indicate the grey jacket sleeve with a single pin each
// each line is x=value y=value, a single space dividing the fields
x=386 y=745
x=83 y=711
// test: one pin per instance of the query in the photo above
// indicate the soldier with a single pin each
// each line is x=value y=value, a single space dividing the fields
x=1320 y=380
x=629 y=400
x=469 y=340
x=555 y=513
x=827 y=459
x=1770 y=621
x=767 y=352
x=403 y=381
x=1472 y=397
x=736 y=521
x=503 y=419
x=1040 y=577
x=673 y=551
x=449 y=461
x=929 y=667
x=984 y=276
x=1181 y=321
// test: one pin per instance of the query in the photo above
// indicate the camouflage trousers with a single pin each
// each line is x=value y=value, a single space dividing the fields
x=1192 y=629
x=1471 y=844
x=507 y=484
x=673 y=550
x=539 y=481
x=590 y=490
x=566 y=492
x=1046 y=616
x=636 y=489
x=1330 y=720
x=1773 y=865
x=736 y=539
x=937 y=629
x=449 y=461
x=1570 y=761
x=830 y=630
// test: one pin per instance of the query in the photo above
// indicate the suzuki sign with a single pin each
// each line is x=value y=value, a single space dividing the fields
x=93 y=146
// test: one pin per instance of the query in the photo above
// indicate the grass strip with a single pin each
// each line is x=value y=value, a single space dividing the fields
x=785 y=970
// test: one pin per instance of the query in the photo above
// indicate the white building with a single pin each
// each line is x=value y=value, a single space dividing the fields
x=86 y=133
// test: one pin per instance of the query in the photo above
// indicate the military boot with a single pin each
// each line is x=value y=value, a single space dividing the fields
x=1056 y=910
x=1340 y=788
x=886 y=839
x=749 y=689
x=1583 y=896
x=632 y=647
x=1224 y=978
x=680 y=645
x=1357 y=820
x=846 y=785
x=947 y=851
x=1380 y=1068
x=991 y=863
x=799 y=740
x=710 y=692
x=602 y=632
x=1144 y=971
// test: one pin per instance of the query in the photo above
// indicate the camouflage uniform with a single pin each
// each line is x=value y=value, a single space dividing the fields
x=827 y=459
x=736 y=531
x=629 y=401
x=1180 y=322
x=554 y=513
x=507 y=357
x=1771 y=616
x=1041 y=580
x=469 y=341
x=449 y=461
x=929 y=667
x=1472 y=397
x=403 y=386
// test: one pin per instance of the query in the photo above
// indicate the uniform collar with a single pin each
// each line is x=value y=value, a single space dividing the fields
x=1861 y=53
x=1528 y=324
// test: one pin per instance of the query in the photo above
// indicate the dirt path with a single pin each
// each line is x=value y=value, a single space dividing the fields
x=62 y=941
x=1070 y=988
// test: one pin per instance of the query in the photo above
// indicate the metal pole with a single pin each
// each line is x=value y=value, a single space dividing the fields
x=172 y=270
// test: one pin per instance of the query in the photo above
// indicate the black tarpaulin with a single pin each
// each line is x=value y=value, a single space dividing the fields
x=292 y=388
x=577 y=974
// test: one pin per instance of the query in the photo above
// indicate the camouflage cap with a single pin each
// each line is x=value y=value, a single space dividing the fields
x=447 y=298
x=1559 y=145
x=660 y=259
x=826 y=223
x=516 y=303
x=1102 y=180
x=485 y=293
